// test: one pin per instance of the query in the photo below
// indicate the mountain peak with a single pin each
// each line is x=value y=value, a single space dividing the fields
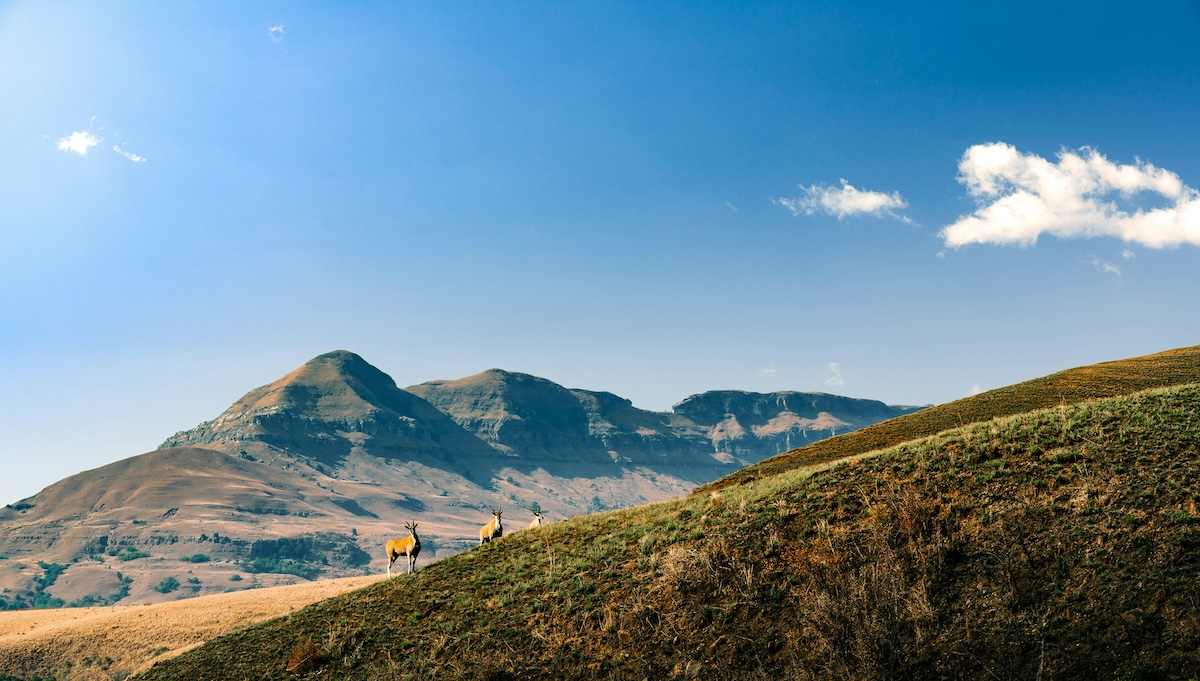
x=341 y=358
x=327 y=397
x=338 y=383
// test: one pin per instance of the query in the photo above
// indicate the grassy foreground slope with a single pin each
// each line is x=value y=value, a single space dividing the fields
x=1107 y=379
x=1058 y=544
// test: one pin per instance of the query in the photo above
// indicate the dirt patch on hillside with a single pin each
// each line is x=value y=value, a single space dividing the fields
x=113 y=642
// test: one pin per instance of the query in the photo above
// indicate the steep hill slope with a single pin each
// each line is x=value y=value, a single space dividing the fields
x=1108 y=379
x=1056 y=544
x=197 y=490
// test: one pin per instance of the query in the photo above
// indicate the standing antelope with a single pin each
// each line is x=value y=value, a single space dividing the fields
x=409 y=546
x=493 y=530
x=537 y=520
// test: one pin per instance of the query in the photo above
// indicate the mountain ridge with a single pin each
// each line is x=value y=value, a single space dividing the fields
x=335 y=454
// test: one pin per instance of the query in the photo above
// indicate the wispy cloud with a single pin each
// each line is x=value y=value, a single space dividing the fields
x=976 y=389
x=768 y=371
x=132 y=157
x=731 y=207
x=834 y=378
x=275 y=32
x=1023 y=196
x=845 y=201
x=78 y=142
x=1105 y=267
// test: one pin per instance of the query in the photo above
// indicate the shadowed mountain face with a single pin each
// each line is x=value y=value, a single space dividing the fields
x=526 y=417
x=539 y=423
x=335 y=449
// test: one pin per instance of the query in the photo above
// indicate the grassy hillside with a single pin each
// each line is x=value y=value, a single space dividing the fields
x=1058 y=544
x=1108 y=379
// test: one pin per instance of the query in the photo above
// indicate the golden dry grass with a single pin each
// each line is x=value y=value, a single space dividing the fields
x=115 y=641
x=1107 y=379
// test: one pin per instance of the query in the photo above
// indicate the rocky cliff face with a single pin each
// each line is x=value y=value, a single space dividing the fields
x=754 y=426
x=516 y=413
x=538 y=421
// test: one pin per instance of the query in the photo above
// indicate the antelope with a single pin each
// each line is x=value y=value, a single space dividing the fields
x=409 y=546
x=537 y=519
x=493 y=530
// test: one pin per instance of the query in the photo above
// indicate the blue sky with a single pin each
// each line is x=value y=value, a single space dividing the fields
x=902 y=201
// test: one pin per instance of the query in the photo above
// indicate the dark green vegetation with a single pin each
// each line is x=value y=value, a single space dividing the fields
x=38 y=598
x=304 y=556
x=1057 y=544
x=127 y=553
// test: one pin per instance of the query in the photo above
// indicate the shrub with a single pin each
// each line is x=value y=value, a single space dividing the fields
x=1138 y=669
x=127 y=554
x=167 y=585
x=286 y=566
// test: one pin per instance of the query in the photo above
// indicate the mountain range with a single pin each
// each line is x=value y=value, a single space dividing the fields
x=310 y=474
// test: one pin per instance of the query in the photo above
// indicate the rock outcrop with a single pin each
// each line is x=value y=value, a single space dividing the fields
x=537 y=422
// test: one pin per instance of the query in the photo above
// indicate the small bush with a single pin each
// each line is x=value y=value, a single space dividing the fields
x=167 y=585
x=127 y=554
x=1138 y=669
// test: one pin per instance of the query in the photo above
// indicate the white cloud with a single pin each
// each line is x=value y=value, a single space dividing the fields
x=976 y=389
x=78 y=142
x=275 y=32
x=769 y=371
x=1022 y=196
x=132 y=157
x=1105 y=267
x=845 y=201
x=1128 y=254
x=835 y=375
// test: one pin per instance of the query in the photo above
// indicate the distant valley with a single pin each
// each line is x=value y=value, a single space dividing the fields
x=308 y=476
